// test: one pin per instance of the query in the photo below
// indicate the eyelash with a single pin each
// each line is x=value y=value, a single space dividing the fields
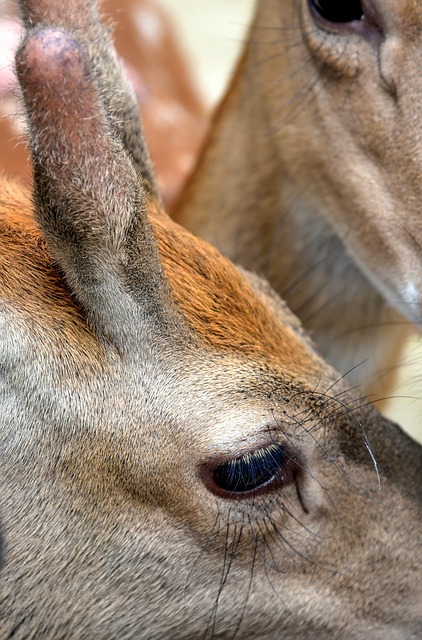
x=256 y=471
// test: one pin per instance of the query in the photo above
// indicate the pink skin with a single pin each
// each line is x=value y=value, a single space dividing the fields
x=10 y=36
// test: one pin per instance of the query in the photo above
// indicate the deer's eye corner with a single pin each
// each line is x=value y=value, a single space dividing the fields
x=337 y=12
x=257 y=471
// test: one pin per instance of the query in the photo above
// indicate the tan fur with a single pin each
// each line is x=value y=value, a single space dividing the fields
x=311 y=176
x=25 y=261
x=217 y=301
x=177 y=461
x=162 y=79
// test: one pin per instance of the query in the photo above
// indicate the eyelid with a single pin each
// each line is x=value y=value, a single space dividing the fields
x=245 y=430
x=282 y=467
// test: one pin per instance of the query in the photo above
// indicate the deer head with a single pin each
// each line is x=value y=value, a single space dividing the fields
x=353 y=143
x=177 y=461
x=321 y=127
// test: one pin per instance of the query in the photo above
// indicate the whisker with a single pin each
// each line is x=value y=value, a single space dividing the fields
x=248 y=591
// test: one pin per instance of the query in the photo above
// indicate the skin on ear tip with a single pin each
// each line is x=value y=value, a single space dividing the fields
x=56 y=78
x=59 y=91
x=47 y=55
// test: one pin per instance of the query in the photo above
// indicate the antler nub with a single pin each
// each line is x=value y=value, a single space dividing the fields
x=90 y=201
x=75 y=157
x=80 y=17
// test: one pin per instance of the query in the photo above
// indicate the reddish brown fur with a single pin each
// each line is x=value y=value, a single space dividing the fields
x=218 y=302
x=215 y=299
x=29 y=278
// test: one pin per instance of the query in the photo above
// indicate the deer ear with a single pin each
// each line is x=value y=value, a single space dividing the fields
x=90 y=200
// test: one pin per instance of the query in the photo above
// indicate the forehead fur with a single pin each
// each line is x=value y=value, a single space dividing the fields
x=29 y=279
x=214 y=297
x=220 y=305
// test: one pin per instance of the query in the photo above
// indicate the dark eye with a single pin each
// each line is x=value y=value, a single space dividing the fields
x=338 y=10
x=267 y=467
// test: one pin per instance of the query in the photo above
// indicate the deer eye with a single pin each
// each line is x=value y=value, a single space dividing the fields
x=266 y=468
x=338 y=10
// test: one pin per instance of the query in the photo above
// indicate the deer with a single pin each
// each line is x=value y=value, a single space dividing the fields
x=177 y=459
x=310 y=175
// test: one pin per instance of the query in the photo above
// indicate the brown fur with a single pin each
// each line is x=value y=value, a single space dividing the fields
x=24 y=261
x=177 y=461
x=214 y=297
x=217 y=301
x=311 y=177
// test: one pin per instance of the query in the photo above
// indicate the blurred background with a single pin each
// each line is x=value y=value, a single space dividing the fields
x=212 y=33
x=180 y=58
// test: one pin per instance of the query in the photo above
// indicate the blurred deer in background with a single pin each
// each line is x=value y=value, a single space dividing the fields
x=176 y=460
x=312 y=172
